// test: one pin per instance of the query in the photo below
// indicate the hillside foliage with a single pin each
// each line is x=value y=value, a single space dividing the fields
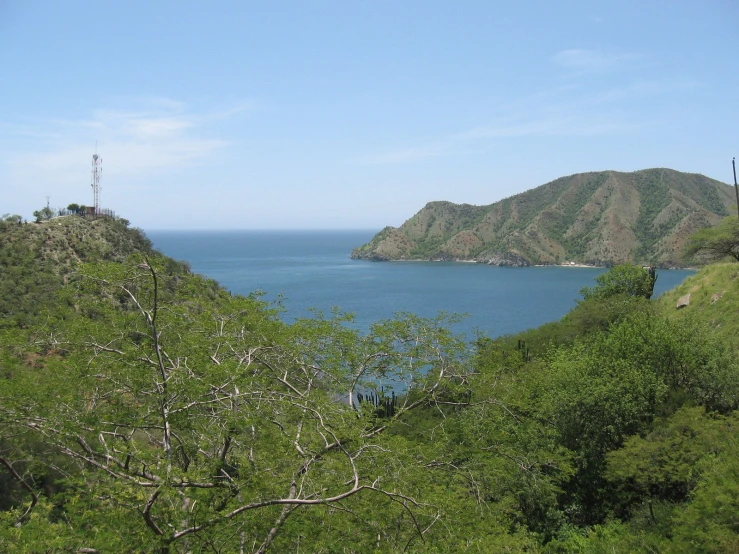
x=714 y=244
x=144 y=408
x=37 y=259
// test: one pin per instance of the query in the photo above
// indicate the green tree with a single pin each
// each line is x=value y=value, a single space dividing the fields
x=627 y=279
x=44 y=214
x=612 y=385
x=664 y=464
x=197 y=417
x=594 y=401
x=713 y=244
x=707 y=523
x=11 y=218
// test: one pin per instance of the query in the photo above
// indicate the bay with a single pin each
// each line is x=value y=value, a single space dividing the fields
x=310 y=270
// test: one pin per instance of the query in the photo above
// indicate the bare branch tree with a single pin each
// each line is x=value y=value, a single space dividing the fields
x=206 y=413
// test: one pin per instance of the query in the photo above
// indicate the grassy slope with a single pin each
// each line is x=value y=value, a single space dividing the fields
x=714 y=300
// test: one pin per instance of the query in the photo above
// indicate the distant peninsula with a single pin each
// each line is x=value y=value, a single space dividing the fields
x=599 y=218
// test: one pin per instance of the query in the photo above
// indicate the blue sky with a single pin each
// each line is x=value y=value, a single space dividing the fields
x=349 y=114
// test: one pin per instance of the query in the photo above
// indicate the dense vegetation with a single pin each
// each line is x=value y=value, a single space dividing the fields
x=35 y=260
x=601 y=218
x=143 y=408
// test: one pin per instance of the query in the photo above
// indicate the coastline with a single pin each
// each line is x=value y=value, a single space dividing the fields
x=566 y=265
x=572 y=265
x=575 y=265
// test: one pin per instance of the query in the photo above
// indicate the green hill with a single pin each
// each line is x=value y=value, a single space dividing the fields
x=36 y=259
x=600 y=218
x=144 y=408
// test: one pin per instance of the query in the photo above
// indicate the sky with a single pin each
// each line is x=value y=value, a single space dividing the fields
x=352 y=114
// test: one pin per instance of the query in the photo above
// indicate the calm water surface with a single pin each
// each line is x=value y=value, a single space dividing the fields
x=312 y=269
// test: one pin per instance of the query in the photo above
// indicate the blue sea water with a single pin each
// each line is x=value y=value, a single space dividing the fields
x=312 y=270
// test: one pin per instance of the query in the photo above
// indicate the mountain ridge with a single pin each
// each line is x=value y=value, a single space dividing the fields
x=595 y=218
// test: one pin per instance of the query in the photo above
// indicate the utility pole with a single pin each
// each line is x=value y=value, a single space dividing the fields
x=736 y=187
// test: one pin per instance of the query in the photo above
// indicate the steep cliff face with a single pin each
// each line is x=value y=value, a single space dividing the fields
x=602 y=218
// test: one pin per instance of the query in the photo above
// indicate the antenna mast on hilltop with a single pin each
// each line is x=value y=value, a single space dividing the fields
x=97 y=170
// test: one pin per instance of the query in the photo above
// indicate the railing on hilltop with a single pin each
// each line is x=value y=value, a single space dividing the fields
x=88 y=213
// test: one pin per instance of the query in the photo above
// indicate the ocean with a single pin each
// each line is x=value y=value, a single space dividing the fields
x=311 y=270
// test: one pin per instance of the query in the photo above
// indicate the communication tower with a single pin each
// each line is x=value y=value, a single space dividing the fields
x=97 y=169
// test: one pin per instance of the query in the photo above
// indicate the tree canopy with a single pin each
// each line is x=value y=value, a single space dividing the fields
x=144 y=408
x=713 y=244
x=627 y=279
x=44 y=214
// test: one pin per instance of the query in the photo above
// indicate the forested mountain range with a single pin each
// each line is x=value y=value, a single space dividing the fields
x=146 y=409
x=599 y=218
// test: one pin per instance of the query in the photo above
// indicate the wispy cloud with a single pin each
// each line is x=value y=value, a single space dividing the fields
x=151 y=135
x=640 y=89
x=556 y=121
x=406 y=155
x=565 y=111
x=570 y=125
x=140 y=126
x=579 y=60
x=565 y=125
